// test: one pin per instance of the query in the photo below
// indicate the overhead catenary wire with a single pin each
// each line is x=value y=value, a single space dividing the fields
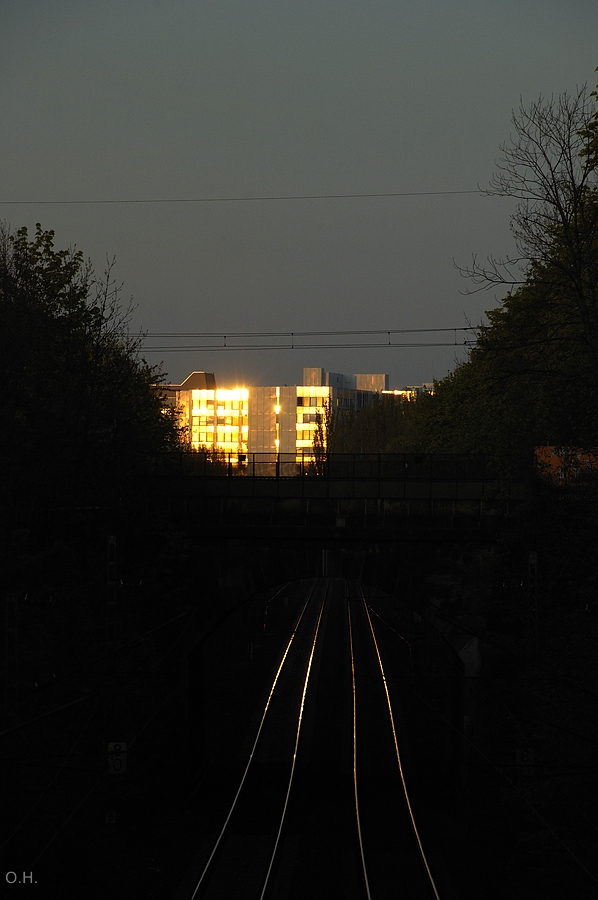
x=244 y=199
x=308 y=333
x=227 y=342
x=303 y=340
x=357 y=346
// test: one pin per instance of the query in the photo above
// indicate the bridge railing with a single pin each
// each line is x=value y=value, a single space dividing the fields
x=333 y=466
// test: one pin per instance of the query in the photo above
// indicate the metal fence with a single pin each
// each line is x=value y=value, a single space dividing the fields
x=333 y=466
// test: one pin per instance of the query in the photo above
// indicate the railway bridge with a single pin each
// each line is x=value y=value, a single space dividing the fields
x=263 y=518
x=344 y=497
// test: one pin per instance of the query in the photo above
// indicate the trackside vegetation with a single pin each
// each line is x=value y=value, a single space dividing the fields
x=78 y=406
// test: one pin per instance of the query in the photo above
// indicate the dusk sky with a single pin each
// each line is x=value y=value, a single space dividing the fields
x=204 y=103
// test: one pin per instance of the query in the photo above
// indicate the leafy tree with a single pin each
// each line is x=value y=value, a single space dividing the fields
x=532 y=377
x=78 y=405
x=388 y=424
x=323 y=441
x=549 y=166
x=528 y=381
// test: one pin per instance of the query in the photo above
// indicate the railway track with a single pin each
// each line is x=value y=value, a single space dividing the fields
x=321 y=806
x=393 y=847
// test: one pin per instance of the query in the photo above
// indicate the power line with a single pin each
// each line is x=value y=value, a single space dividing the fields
x=196 y=348
x=208 y=334
x=242 y=199
x=307 y=340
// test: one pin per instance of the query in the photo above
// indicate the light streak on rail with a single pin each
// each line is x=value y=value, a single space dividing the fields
x=251 y=755
x=290 y=784
x=365 y=874
x=398 y=755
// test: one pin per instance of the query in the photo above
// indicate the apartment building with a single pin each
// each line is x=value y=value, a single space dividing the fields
x=277 y=419
x=213 y=417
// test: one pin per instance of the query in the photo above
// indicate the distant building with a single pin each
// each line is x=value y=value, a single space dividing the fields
x=413 y=391
x=272 y=419
x=213 y=417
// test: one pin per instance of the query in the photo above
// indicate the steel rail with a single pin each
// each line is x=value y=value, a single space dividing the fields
x=355 y=791
x=223 y=830
x=298 y=733
x=398 y=755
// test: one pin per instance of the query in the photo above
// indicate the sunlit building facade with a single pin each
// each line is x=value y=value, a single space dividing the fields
x=275 y=419
x=213 y=417
x=285 y=418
